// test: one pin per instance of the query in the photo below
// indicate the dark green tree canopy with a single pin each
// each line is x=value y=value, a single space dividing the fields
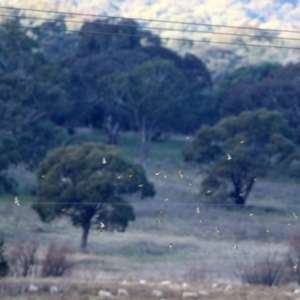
x=76 y=179
x=278 y=91
x=117 y=35
x=255 y=141
x=191 y=66
x=243 y=77
x=145 y=96
x=9 y=155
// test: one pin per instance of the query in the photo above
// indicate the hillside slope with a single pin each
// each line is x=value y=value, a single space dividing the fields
x=267 y=14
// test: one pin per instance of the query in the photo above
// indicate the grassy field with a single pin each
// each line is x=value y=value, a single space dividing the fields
x=199 y=253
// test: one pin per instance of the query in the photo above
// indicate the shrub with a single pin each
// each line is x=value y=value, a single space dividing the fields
x=56 y=262
x=293 y=257
x=267 y=271
x=22 y=257
x=197 y=274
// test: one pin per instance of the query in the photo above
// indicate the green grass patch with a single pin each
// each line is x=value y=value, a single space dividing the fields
x=25 y=200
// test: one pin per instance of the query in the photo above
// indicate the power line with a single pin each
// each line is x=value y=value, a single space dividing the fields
x=145 y=36
x=170 y=202
x=148 y=20
x=156 y=28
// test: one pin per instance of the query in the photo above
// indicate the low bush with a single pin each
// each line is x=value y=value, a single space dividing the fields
x=267 y=271
x=56 y=262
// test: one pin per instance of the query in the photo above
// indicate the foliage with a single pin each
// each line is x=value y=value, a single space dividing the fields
x=245 y=75
x=146 y=96
x=4 y=267
x=18 y=52
x=36 y=140
x=279 y=90
x=293 y=257
x=22 y=257
x=266 y=271
x=56 y=262
x=74 y=181
x=255 y=142
x=55 y=44
x=9 y=154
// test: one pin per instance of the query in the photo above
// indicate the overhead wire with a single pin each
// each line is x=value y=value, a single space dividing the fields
x=144 y=36
x=148 y=20
x=151 y=37
x=155 y=28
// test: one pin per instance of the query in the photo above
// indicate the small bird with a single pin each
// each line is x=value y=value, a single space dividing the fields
x=208 y=192
x=165 y=176
x=43 y=176
x=217 y=229
x=180 y=173
x=170 y=245
x=161 y=212
x=96 y=216
x=242 y=271
x=104 y=161
x=130 y=175
x=166 y=199
x=295 y=267
x=201 y=221
x=100 y=231
x=251 y=214
x=228 y=157
x=159 y=221
x=190 y=184
x=157 y=174
x=141 y=185
x=64 y=210
x=295 y=215
x=198 y=210
x=254 y=266
x=234 y=247
x=17 y=201
x=119 y=177
x=268 y=230
x=187 y=137
x=242 y=142
x=102 y=225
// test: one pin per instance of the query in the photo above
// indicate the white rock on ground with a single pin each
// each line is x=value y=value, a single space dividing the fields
x=297 y=291
x=157 y=293
x=185 y=285
x=33 y=288
x=165 y=282
x=123 y=292
x=189 y=295
x=105 y=294
x=203 y=293
x=53 y=289
x=142 y=281
x=214 y=285
x=228 y=287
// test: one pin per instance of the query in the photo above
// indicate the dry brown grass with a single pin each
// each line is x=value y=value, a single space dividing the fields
x=87 y=291
x=143 y=248
x=143 y=252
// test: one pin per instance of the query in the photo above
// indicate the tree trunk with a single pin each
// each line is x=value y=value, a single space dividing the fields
x=84 y=237
x=240 y=200
x=112 y=135
x=144 y=149
x=112 y=131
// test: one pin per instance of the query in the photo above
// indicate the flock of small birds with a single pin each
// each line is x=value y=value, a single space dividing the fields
x=198 y=211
